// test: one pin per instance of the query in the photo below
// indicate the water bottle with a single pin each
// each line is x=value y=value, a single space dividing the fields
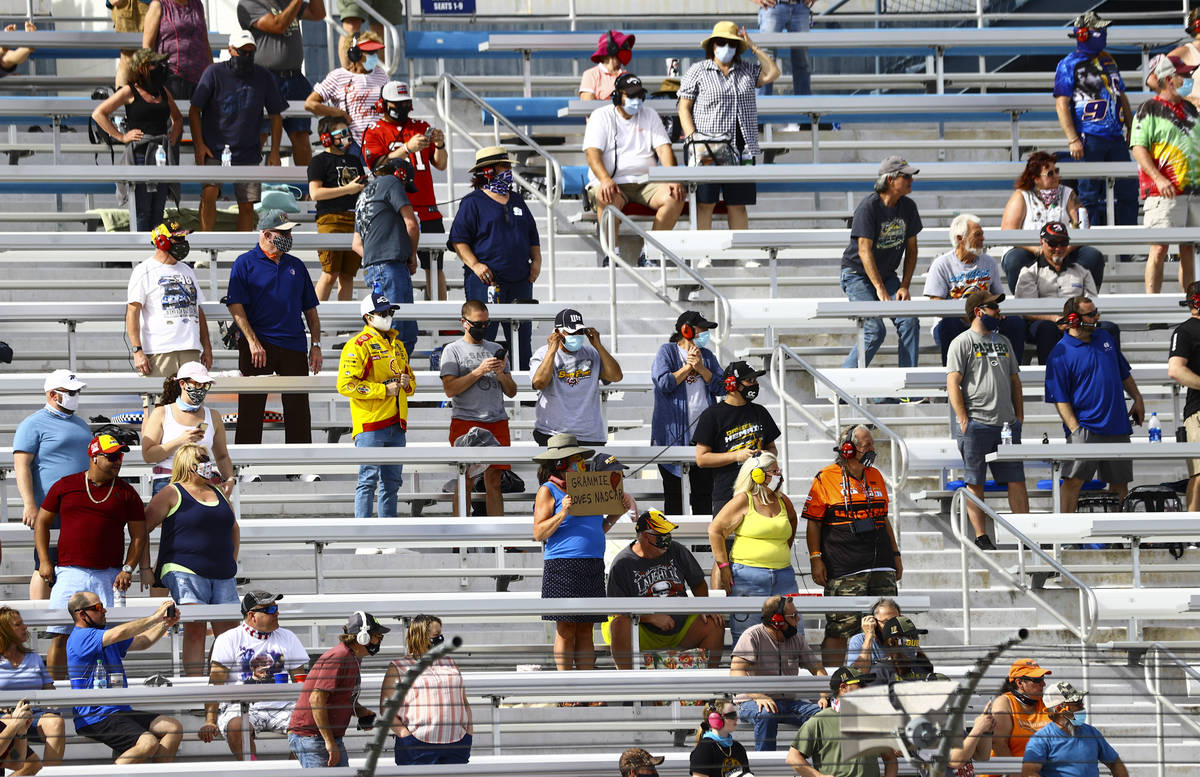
x=226 y=157
x=1085 y=221
x=160 y=157
x=1155 y=428
x=1006 y=434
x=493 y=293
x=118 y=597
x=100 y=674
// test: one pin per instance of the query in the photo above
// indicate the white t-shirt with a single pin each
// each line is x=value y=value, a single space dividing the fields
x=170 y=298
x=627 y=145
x=254 y=657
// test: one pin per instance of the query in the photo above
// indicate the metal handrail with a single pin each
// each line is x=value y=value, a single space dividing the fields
x=1089 y=608
x=391 y=40
x=1153 y=680
x=898 y=447
x=554 y=176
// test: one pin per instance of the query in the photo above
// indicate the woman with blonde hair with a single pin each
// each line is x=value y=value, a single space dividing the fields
x=759 y=562
x=716 y=754
x=198 y=547
x=182 y=417
x=22 y=669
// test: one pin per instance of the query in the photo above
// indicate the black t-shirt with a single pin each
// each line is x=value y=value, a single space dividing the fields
x=724 y=428
x=1185 y=342
x=671 y=574
x=715 y=760
x=889 y=230
x=334 y=170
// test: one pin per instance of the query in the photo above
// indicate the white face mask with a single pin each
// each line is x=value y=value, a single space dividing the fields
x=371 y=62
x=204 y=469
x=724 y=53
x=775 y=482
x=382 y=323
x=68 y=402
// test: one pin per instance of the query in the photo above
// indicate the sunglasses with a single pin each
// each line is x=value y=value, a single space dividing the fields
x=478 y=323
x=339 y=133
x=990 y=306
x=905 y=176
x=96 y=606
x=271 y=610
x=731 y=716
x=1038 y=681
x=114 y=457
x=1093 y=314
x=1049 y=173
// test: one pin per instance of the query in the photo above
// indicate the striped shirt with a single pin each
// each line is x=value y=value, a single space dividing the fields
x=435 y=709
x=723 y=104
x=356 y=94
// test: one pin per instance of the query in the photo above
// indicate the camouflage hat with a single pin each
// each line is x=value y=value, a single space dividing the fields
x=143 y=56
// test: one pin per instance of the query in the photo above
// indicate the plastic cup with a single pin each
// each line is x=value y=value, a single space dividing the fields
x=281 y=677
x=300 y=676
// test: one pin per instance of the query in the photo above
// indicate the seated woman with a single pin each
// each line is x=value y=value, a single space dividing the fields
x=22 y=669
x=613 y=53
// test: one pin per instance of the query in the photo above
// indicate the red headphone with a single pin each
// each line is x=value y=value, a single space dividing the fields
x=1073 y=320
x=1081 y=34
x=1192 y=300
x=163 y=242
x=687 y=331
x=1193 y=24
x=846 y=448
x=731 y=382
x=776 y=620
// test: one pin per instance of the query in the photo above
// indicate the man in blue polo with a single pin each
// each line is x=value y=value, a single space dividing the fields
x=1086 y=379
x=271 y=297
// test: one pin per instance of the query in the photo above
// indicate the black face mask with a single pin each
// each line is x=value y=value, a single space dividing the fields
x=242 y=63
x=179 y=250
x=156 y=78
x=373 y=648
x=1026 y=700
x=750 y=393
x=789 y=631
x=867 y=458
x=398 y=112
x=476 y=331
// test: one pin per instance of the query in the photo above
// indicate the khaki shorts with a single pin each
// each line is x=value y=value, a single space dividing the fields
x=392 y=10
x=338 y=262
x=164 y=365
x=1191 y=425
x=636 y=193
x=130 y=17
x=847 y=624
x=1180 y=211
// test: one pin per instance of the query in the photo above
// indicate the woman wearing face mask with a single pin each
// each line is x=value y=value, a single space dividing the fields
x=351 y=91
x=759 y=563
x=687 y=380
x=1038 y=198
x=433 y=724
x=152 y=122
x=717 y=99
x=177 y=29
x=716 y=754
x=613 y=52
x=181 y=417
x=198 y=546
x=1190 y=54
x=1019 y=710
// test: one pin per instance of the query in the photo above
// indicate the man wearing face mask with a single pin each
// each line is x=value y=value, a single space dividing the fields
x=164 y=323
x=1095 y=116
x=566 y=378
x=1068 y=746
x=330 y=695
x=654 y=565
x=622 y=142
x=271 y=297
x=984 y=389
x=375 y=375
x=226 y=110
x=729 y=432
x=50 y=444
x=349 y=93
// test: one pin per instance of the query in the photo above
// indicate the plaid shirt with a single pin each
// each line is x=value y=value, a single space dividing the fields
x=436 y=709
x=723 y=104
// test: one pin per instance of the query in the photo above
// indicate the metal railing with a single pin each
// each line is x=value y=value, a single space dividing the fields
x=552 y=195
x=898 y=448
x=393 y=44
x=1153 y=668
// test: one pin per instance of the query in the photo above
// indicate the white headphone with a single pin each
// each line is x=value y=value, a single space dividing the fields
x=363 y=637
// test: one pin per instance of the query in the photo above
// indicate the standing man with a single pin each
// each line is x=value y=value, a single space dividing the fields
x=1095 y=116
x=375 y=375
x=1086 y=379
x=654 y=565
x=330 y=694
x=95 y=507
x=568 y=386
x=95 y=656
x=226 y=110
x=775 y=647
x=252 y=653
x=852 y=548
x=281 y=51
x=50 y=444
x=1067 y=746
x=817 y=749
x=984 y=389
x=164 y=323
x=1183 y=366
x=271 y=297
x=727 y=433
x=477 y=378
x=789 y=16
x=1164 y=144
x=882 y=235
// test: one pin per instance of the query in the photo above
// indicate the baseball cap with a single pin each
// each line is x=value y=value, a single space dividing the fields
x=630 y=85
x=395 y=92
x=257 y=598
x=569 y=320
x=637 y=758
x=1026 y=667
x=142 y=56
x=1055 y=233
x=693 y=318
x=62 y=379
x=1163 y=66
x=1091 y=20
x=742 y=371
x=240 y=38
x=980 y=298
x=376 y=302
x=605 y=462
x=896 y=164
x=354 y=624
x=194 y=371
x=850 y=676
x=900 y=626
x=653 y=520
x=369 y=41
x=170 y=228
x=275 y=219
x=106 y=443
x=1061 y=693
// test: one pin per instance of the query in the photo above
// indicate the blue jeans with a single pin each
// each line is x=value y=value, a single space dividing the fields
x=766 y=724
x=395 y=281
x=858 y=288
x=1091 y=190
x=384 y=478
x=473 y=288
x=148 y=205
x=410 y=751
x=1012 y=327
x=789 y=17
x=311 y=752
x=757 y=581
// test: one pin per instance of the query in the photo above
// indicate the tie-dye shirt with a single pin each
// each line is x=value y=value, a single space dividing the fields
x=1168 y=131
x=1095 y=87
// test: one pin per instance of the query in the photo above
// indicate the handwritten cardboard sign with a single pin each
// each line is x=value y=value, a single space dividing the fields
x=595 y=493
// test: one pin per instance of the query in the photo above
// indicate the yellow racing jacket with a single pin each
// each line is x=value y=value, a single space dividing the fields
x=367 y=361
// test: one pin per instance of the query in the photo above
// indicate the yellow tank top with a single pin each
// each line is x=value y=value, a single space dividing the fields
x=762 y=540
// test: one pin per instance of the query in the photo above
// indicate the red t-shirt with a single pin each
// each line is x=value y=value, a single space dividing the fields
x=93 y=520
x=382 y=138
x=337 y=673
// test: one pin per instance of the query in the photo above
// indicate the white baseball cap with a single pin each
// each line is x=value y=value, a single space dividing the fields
x=395 y=92
x=240 y=38
x=62 y=379
x=194 y=371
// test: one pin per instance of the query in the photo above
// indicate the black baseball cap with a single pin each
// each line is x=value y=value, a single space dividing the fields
x=900 y=626
x=743 y=371
x=630 y=85
x=354 y=624
x=1055 y=233
x=569 y=320
x=606 y=462
x=257 y=598
x=849 y=675
x=693 y=318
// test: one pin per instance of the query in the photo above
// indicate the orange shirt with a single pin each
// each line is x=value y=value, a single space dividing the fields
x=1025 y=724
x=835 y=501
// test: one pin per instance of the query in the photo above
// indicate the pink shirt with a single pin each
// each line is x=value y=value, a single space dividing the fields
x=435 y=709
x=599 y=81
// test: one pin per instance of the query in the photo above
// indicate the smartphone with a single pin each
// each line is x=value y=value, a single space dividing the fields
x=172 y=611
x=429 y=132
x=502 y=354
x=203 y=427
x=361 y=179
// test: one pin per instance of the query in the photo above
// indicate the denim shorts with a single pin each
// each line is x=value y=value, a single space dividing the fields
x=187 y=588
x=976 y=443
x=71 y=580
x=311 y=752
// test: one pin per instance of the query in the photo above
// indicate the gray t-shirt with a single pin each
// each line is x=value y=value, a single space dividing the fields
x=986 y=363
x=888 y=228
x=769 y=658
x=484 y=400
x=378 y=221
x=274 y=52
x=570 y=402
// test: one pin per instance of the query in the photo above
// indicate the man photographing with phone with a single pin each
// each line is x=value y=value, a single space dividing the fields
x=567 y=373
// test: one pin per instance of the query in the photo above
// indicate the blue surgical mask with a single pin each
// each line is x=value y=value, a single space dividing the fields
x=701 y=340
x=185 y=406
x=573 y=342
x=1079 y=718
x=1186 y=88
x=633 y=105
x=724 y=53
x=371 y=62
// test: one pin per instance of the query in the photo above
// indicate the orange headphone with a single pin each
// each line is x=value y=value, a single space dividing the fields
x=687 y=331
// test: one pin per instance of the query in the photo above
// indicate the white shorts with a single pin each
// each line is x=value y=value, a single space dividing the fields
x=262 y=718
x=1182 y=210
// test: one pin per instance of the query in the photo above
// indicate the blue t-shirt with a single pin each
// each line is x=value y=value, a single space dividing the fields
x=1095 y=87
x=500 y=235
x=84 y=648
x=59 y=447
x=378 y=222
x=231 y=110
x=578 y=536
x=1088 y=376
x=1069 y=756
x=275 y=296
x=28 y=675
